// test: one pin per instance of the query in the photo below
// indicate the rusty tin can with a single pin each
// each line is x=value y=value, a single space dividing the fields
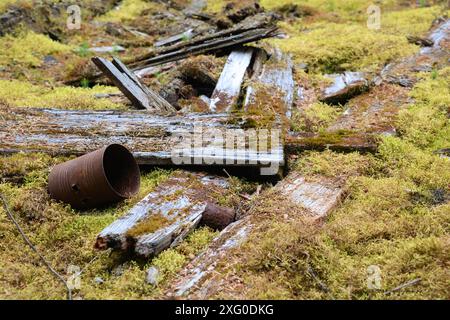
x=104 y=176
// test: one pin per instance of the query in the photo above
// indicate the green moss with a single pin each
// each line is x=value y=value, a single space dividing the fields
x=28 y=49
x=331 y=47
x=314 y=119
x=22 y=94
x=332 y=164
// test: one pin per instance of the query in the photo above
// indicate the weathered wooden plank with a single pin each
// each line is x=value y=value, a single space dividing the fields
x=154 y=140
x=141 y=96
x=274 y=78
x=344 y=87
x=156 y=100
x=183 y=36
x=165 y=216
x=228 y=87
x=229 y=42
x=313 y=197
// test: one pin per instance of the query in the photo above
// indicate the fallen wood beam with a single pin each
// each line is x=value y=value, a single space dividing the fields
x=272 y=78
x=192 y=139
x=141 y=96
x=214 y=45
x=228 y=87
x=312 y=197
x=165 y=216
x=372 y=114
x=259 y=21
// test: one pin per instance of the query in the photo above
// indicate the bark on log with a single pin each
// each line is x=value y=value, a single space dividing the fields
x=165 y=216
x=141 y=96
x=154 y=140
x=228 y=87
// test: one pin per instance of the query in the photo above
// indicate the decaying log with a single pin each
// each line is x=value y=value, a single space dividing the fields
x=165 y=216
x=313 y=197
x=273 y=77
x=141 y=96
x=228 y=87
x=154 y=140
x=344 y=87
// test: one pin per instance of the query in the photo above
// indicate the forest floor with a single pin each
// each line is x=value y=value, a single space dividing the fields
x=395 y=216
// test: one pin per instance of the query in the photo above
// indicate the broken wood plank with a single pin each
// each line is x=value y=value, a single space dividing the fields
x=372 y=114
x=274 y=78
x=165 y=216
x=313 y=197
x=228 y=87
x=141 y=96
x=214 y=45
x=344 y=87
x=191 y=139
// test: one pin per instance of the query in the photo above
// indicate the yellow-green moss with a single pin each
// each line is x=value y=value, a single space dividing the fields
x=425 y=123
x=23 y=94
x=28 y=49
x=409 y=22
x=319 y=116
x=330 y=47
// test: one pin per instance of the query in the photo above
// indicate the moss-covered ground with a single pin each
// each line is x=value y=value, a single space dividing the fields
x=396 y=214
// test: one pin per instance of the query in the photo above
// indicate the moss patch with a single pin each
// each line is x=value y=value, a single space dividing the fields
x=22 y=94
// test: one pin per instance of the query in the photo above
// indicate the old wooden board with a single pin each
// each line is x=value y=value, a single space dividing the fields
x=228 y=87
x=165 y=216
x=191 y=139
x=141 y=96
x=371 y=114
x=272 y=81
x=313 y=197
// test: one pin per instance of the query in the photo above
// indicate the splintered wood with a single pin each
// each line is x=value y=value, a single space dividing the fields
x=192 y=139
x=272 y=79
x=312 y=197
x=141 y=96
x=165 y=216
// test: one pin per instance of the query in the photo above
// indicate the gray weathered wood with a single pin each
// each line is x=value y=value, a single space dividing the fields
x=275 y=77
x=154 y=140
x=181 y=201
x=228 y=87
x=315 y=197
x=141 y=96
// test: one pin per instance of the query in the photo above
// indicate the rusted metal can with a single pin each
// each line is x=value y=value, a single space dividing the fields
x=216 y=217
x=104 y=176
